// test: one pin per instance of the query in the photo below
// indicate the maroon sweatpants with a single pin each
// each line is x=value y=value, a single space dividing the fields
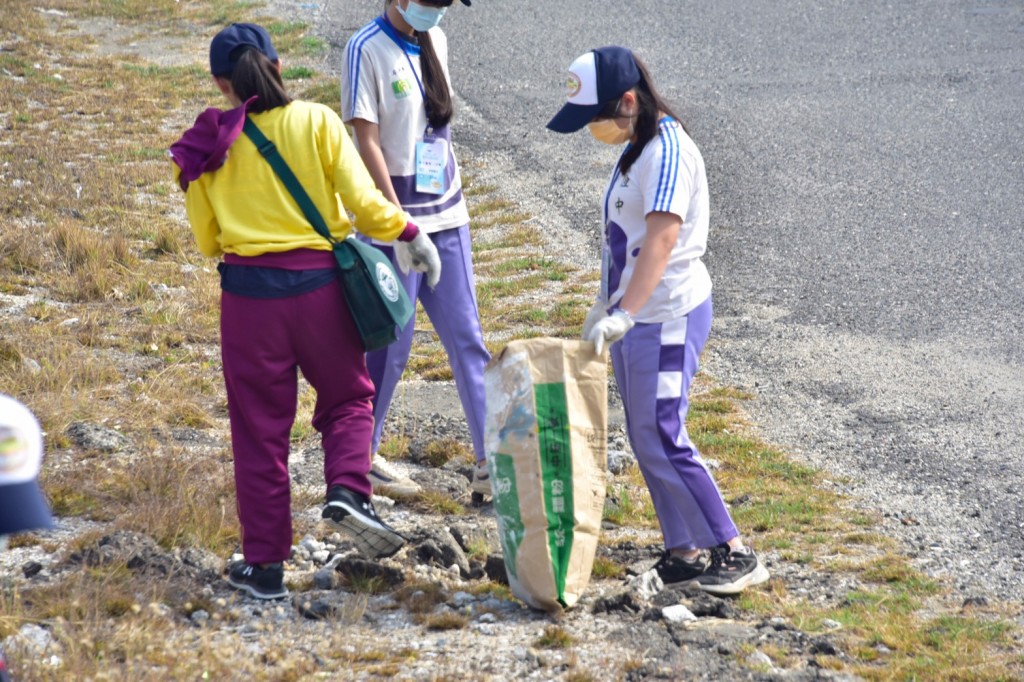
x=263 y=343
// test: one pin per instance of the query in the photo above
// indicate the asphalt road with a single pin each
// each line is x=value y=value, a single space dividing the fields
x=866 y=163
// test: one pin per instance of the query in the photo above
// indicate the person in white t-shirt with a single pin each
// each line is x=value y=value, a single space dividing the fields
x=396 y=95
x=654 y=308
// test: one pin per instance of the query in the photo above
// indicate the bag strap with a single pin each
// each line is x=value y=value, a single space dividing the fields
x=269 y=152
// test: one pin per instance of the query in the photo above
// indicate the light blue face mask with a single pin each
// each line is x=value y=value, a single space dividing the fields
x=421 y=17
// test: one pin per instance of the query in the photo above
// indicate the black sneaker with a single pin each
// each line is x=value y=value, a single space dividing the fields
x=354 y=514
x=675 y=570
x=731 y=571
x=262 y=583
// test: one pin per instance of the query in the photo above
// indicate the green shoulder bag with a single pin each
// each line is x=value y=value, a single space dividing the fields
x=377 y=300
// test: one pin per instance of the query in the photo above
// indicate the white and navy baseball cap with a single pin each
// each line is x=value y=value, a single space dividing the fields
x=22 y=505
x=595 y=78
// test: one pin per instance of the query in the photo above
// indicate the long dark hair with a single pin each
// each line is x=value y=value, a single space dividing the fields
x=435 y=86
x=649 y=104
x=255 y=74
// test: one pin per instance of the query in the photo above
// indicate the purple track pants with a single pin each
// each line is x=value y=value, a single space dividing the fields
x=263 y=344
x=451 y=307
x=654 y=365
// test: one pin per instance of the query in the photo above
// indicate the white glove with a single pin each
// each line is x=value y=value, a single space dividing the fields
x=598 y=311
x=420 y=255
x=610 y=329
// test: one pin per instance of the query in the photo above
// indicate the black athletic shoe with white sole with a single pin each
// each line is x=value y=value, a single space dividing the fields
x=731 y=571
x=675 y=570
x=262 y=583
x=354 y=515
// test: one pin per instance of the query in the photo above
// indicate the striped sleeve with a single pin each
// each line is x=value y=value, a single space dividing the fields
x=359 y=96
x=667 y=180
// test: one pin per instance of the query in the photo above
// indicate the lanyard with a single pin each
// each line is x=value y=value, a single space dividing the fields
x=415 y=75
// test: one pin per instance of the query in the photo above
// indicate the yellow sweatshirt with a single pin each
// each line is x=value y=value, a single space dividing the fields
x=245 y=209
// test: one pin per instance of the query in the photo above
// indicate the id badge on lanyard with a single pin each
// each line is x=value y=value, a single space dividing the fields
x=431 y=159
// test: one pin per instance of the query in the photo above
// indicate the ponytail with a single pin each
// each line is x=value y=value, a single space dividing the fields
x=255 y=74
x=435 y=85
x=650 y=106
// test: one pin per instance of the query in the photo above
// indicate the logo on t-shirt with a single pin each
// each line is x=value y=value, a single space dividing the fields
x=401 y=88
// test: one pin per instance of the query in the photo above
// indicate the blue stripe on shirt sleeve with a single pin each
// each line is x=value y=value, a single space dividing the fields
x=669 y=169
x=355 y=57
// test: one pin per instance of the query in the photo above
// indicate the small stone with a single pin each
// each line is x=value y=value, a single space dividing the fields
x=647 y=584
x=759 y=658
x=823 y=646
x=830 y=624
x=488 y=618
x=618 y=461
x=311 y=544
x=321 y=556
x=31 y=568
x=325 y=579
x=199 y=617
x=678 y=614
x=460 y=599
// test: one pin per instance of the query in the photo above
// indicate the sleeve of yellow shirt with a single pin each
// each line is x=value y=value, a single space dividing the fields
x=200 y=216
x=203 y=220
x=375 y=216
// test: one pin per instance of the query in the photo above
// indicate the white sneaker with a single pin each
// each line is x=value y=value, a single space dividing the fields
x=481 y=479
x=387 y=479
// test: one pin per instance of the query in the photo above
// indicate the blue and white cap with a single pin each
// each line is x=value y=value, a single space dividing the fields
x=22 y=505
x=595 y=78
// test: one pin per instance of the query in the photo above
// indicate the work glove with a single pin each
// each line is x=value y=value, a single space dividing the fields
x=420 y=255
x=598 y=311
x=610 y=329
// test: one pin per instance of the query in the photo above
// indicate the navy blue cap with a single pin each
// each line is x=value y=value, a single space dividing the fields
x=595 y=78
x=224 y=48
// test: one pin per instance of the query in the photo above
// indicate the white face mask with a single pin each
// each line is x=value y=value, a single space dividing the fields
x=421 y=17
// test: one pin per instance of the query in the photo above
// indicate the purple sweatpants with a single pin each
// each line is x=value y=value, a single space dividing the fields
x=451 y=307
x=654 y=365
x=263 y=343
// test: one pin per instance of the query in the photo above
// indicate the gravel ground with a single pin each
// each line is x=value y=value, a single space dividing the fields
x=819 y=411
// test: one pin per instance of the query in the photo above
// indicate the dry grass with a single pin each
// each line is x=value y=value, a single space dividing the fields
x=111 y=317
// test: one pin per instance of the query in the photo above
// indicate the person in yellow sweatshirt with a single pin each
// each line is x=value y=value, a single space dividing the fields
x=282 y=306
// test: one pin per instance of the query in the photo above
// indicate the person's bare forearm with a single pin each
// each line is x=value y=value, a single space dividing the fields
x=368 y=139
x=662 y=231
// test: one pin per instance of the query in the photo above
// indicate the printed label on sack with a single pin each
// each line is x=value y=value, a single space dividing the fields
x=556 y=470
x=388 y=283
x=506 y=508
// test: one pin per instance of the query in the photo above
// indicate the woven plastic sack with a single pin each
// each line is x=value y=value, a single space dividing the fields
x=546 y=443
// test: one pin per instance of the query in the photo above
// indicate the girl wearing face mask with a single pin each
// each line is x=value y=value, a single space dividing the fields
x=396 y=95
x=654 y=308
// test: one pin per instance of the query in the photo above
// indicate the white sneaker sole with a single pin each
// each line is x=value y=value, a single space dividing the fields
x=370 y=537
x=756 y=577
x=395 y=486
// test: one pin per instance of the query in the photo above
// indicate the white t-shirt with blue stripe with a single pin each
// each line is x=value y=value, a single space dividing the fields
x=381 y=82
x=668 y=176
